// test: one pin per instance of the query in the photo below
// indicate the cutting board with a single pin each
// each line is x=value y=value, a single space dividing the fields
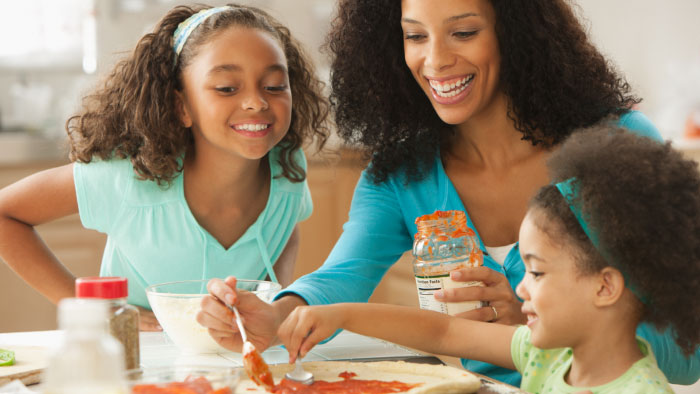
x=30 y=361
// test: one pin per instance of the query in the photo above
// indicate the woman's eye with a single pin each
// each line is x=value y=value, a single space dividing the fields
x=536 y=274
x=413 y=36
x=465 y=34
x=226 y=89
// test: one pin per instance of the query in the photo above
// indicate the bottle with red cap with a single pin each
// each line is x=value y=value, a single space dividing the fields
x=123 y=318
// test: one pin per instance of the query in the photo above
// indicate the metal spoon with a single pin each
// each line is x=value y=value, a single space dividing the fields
x=299 y=374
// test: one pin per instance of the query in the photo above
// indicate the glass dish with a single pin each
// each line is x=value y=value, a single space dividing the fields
x=176 y=305
x=218 y=377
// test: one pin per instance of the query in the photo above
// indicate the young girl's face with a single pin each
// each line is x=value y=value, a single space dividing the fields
x=558 y=299
x=452 y=50
x=236 y=94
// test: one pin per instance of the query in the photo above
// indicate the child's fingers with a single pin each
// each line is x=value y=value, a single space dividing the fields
x=223 y=290
x=285 y=333
x=305 y=324
x=210 y=321
x=317 y=334
x=227 y=340
x=215 y=310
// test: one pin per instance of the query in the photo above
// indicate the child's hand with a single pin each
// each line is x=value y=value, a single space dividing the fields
x=148 y=321
x=308 y=325
x=259 y=318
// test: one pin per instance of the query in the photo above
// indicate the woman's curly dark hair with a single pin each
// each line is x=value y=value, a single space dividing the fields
x=555 y=79
x=642 y=199
x=133 y=115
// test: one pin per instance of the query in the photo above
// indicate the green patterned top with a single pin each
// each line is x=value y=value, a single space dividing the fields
x=543 y=370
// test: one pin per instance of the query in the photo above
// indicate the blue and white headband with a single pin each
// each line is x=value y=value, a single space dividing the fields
x=186 y=27
x=569 y=190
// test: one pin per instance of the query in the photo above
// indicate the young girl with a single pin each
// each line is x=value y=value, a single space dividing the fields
x=188 y=157
x=614 y=241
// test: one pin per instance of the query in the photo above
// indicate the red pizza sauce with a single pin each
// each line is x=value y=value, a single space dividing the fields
x=257 y=369
x=346 y=386
x=191 y=385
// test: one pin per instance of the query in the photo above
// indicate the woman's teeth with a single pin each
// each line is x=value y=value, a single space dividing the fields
x=451 y=89
x=251 y=127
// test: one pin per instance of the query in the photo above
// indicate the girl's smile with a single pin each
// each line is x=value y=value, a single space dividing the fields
x=252 y=129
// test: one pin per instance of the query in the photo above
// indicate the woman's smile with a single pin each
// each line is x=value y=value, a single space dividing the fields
x=450 y=90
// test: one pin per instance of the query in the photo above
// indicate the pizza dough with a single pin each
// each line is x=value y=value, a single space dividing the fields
x=434 y=378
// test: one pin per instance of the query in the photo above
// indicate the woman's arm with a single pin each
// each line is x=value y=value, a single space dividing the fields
x=37 y=199
x=428 y=331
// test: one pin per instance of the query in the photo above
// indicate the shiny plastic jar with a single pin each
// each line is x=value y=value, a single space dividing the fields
x=442 y=244
x=123 y=318
x=86 y=360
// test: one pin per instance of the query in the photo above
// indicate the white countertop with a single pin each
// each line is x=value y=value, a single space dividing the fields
x=158 y=350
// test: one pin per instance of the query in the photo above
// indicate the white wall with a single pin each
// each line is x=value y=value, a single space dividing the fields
x=656 y=45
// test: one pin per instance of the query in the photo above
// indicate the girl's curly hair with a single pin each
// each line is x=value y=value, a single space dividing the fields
x=555 y=79
x=642 y=199
x=133 y=114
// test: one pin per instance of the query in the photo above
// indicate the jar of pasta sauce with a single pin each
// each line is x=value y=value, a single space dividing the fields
x=123 y=318
x=442 y=244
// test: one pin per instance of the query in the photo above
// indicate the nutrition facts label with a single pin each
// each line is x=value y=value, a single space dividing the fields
x=428 y=285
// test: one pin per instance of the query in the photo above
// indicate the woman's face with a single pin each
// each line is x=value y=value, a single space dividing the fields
x=450 y=46
x=236 y=94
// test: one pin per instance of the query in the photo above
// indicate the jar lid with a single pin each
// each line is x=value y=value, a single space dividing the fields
x=101 y=287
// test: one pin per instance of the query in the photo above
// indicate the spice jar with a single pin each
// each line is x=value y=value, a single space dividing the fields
x=442 y=244
x=123 y=318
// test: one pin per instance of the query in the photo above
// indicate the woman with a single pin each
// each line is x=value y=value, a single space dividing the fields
x=458 y=103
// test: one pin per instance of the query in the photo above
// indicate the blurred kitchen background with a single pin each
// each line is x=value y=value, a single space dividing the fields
x=53 y=51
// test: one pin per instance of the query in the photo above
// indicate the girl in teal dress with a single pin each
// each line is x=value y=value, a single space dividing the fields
x=188 y=157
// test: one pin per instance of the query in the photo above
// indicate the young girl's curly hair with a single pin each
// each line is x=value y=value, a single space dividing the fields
x=642 y=199
x=555 y=79
x=134 y=115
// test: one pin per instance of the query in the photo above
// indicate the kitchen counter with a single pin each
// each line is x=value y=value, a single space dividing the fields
x=158 y=351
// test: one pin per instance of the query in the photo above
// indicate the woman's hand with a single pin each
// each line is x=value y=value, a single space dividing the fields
x=147 y=320
x=259 y=318
x=306 y=326
x=504 y=306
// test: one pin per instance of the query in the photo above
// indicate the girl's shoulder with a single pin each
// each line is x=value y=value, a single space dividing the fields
x=117 y=177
